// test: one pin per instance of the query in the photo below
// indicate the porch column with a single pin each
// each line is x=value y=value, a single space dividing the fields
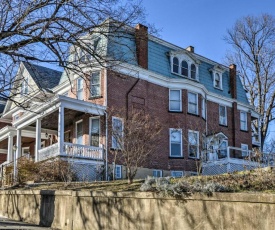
x=10 y=148
x=37 y=138
x=18 y=143
x=61 y=128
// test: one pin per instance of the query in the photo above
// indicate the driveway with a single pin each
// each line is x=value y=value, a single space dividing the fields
x=6 y=223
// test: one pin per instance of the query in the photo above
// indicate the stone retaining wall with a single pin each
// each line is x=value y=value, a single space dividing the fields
x=128 y=210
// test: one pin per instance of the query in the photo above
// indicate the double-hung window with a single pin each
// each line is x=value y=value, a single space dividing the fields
x=175 y=103
x=243 y=120
x=222 y=115
x=175 y=142
x=117 y=133
x=193 y=144
x=184 y=68
x=79 y=132
x=95 y=84
x=177 y=173
x=193 y=72
x=244 y=148
x=192 y=103
x=175 y=65
x=118 y=172
x=217 y=81
x=94 y=131
x=157 y=173
x=223 y=149
x=79 y=88
x=203 y=109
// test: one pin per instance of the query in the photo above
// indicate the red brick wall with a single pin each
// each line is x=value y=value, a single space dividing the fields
x=154 y=100
x=3 y=157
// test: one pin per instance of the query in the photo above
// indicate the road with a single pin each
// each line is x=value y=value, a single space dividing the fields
x=6 y=223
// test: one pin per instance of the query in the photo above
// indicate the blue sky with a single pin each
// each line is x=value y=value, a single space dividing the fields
x=202 y=23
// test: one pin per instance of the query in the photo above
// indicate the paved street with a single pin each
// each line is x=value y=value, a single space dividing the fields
x=12 y=224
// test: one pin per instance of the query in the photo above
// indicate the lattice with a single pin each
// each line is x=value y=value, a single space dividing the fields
x=214 y=169
x=86 y=171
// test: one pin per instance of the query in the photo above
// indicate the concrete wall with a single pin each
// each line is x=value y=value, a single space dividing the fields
x=126 y=210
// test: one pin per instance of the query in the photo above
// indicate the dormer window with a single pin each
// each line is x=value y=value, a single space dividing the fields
x=193 y=72
x=218 y=81
x=184 y=68
x=24 y=87
x=175 y=65
x=184 y=65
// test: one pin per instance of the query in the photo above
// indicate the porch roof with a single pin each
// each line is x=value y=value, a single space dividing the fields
x=46 y=108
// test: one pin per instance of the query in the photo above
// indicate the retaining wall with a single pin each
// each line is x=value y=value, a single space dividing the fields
x=128 y=210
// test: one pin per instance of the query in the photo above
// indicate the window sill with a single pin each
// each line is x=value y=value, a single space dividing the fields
x=95 y=97
x=193 y=114
x=114 y=149
x=245 y=131
x=218 y=88
x=171 y=111
x=193 y=158
x=223 y=125
x=186 y=77
x=170 y=157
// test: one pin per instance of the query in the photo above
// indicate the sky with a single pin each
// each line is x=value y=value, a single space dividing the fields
x=202 y=23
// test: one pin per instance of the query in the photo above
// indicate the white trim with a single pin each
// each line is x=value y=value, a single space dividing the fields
x=76 y=123
x=90 y=130
x=203 y=108
x=246 y=126
x=120 y=171
x=180 y=100
x=225 y=111
x=245 y=151
x=171 y=130
x=157 y=171
x=197 y=102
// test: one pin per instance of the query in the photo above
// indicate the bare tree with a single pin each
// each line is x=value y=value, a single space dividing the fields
x=133 y=139
x=49 y=31
x=253 y=42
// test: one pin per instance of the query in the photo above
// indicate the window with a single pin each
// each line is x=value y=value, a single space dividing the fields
x=118 y=172
x=157 y=173
x=192 y=103
x=177 y=173
x=94 y=131
x=79 y=88
x=223 y=149
x=24 y=86
x=117 y=135
x=95 y=84
x=79 y=132
x=222 y=115
x=203 y=110
x=175 y=65
x=244 y=148
x=193 y=144
x=175 y=100
x=25 y=151
x=218 y=81
x=193 y=71
x=184 y=68
x=243 y=120
x=175 y=142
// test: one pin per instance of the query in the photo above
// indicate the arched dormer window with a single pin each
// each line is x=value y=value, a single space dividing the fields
x=217 y=82
x=175 y=65
x=184 y=68
x=193 y=71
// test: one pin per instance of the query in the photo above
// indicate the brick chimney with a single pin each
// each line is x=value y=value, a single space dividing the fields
x=233 y=80
x=142 y=45
x=190 y=49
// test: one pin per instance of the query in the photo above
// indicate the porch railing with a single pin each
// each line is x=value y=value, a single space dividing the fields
x=71 y=150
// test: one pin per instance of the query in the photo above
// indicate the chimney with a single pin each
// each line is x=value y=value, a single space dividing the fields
x=190 y=49
x=233 y=80
x=142 y=45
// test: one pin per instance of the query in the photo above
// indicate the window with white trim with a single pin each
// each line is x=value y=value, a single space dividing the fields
x=175 y=103
x=243 y=120
x=175 y=142
x=175 y=65
x=95 y=85
x=193 y=72
x=157 y=173
x=177 y=173
x=244 y=148
x=79 y=88
x=192 y=103
x=223 y=149
x=25 y=151
x=117 y=132
x=25 y=86
x=118 y=172
x=203 y=109
x=222 y=115
x=94 y=131
x=217 y=81
x=184 y=68
x=79 y=132
x=193 y=144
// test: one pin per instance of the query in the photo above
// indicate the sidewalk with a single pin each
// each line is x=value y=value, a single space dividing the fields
x=6 y=223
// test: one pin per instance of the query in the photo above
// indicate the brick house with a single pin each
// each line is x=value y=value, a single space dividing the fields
x=201 y=104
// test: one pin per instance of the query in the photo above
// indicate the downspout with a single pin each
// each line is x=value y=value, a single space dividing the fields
x=106 y=145
x=127 y=97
